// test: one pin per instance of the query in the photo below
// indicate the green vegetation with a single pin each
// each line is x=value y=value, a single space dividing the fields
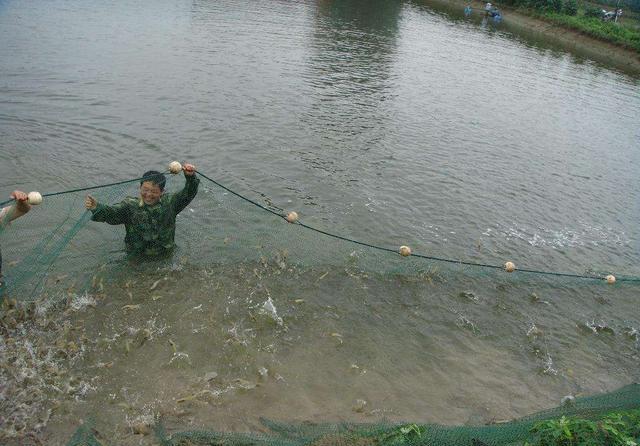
x=585 y=18
x=614 y=429
x=402 y=435
x=609 y=31
x=627 y=5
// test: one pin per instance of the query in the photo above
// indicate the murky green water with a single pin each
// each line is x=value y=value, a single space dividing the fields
x=391 y=123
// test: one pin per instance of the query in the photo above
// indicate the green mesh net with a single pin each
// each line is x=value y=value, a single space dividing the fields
x=251 y=318
x=219 y=227
x=515 y=432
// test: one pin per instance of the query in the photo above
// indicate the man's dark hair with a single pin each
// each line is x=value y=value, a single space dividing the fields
x=155 y=177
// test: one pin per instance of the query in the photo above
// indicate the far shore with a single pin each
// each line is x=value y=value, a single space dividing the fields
x=605 y=53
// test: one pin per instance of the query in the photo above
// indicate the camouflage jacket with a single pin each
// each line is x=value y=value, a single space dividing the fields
x=150 y=229
x=4 y=220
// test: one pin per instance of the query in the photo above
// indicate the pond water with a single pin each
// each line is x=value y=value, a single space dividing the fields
x=393 y=123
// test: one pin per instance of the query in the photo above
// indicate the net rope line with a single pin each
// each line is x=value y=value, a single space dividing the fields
x=350 y=240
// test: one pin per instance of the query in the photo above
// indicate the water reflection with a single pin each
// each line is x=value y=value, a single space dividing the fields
x=539 y=37
x=350 y=70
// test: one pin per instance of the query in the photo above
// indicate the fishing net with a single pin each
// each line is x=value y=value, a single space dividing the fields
x=219 y=227
x=249 y=303
x=515 y=432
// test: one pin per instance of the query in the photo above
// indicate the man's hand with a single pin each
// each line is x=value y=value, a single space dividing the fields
x=22 y=205
x=90 y=202
x=189 y=169
x=18 y=195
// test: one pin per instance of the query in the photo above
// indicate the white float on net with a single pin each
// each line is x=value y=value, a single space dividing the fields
x=292 y=217
x=34 y=198
x=175 y=167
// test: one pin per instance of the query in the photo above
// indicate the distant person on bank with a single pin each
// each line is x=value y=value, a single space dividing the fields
x=10 y=213
x=150 y=219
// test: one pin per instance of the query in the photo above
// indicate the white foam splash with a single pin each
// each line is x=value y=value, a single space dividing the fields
x=270 y=309
x=81 y=301
x=548 y=366
x=583 y=235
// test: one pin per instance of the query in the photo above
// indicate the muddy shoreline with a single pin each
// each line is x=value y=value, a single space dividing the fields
x=575 y=42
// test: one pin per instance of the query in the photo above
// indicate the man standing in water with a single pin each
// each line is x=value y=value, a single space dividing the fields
x=10 y=213
x=150 y=219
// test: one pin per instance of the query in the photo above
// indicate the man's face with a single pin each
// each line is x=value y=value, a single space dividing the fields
x=150 y=193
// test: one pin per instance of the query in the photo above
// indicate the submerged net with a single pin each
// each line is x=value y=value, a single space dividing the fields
x=515 y=432
x=252 y=317
x=223 y=227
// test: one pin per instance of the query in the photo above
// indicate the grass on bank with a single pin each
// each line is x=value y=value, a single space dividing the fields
x=607 y=31
x=584 y=18
x=620 y=428
x=614 y=429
